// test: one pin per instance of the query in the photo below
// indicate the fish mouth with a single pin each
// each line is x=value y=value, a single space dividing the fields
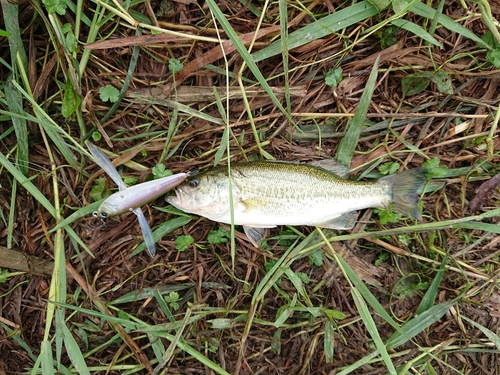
x=178 y=200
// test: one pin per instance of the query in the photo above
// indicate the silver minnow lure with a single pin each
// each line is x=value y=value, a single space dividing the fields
x=131 y=198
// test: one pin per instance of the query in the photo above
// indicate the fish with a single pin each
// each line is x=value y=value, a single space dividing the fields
x=131 y=198
x=270 y=193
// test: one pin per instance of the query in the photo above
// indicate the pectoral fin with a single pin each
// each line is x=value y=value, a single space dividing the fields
x=255 y=235
x=345 y=221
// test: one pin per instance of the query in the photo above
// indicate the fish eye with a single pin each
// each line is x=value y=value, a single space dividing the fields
x=193 y=183
x=104 y=215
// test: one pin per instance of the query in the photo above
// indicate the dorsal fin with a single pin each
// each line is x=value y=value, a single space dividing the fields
x=333 y=166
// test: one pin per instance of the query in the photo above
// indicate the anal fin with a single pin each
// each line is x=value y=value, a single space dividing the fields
x=344 y=221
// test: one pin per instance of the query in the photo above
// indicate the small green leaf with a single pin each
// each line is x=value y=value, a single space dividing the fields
x=4 y=33
x=70 y=42
x=56 y=6
x=218 y=236
x=130 y=180
x=182 y=242
x=490 y=40
x=172 y=299
x=380 y=4
x=333 y=314
x=408 y=286
x=71 y=100
x=405 y=239
x=3 y=272
x=388 y=168
x=66 y=28
x=333 y=77
x=382 y=257
x=303 y=277
x=109 y=93
x=159 y=171
x=434 y=170
x=387 y=216
x=286 y=237
x=388 y=36
x=493 y=57
x=316 y=258
x=443 y=82
x=174 y=65
x=415 y=83
x=96 y=136
x=97 y=191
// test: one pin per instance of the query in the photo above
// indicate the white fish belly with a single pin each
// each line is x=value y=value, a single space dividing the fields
x=314 y=212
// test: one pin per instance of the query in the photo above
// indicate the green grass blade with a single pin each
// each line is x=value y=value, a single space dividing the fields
x=15 y=103
x=12 y=214
x=16 y=335
x=46 y=360
x=224 y=143
x=141 y=294
x=363 y=361
x=321 y=28
x=78 y=214
x=470 y=222
x=329 y=342
x=167 y=355
x=283 y=9
x=431 y=293
x=419 y=324
x=196 y=355
x=417 y=30
x=426 y=11
x=162 y=231
x=11 y=22
x=370 y=325
x=74 y=352
x=249 y=60
x=347 y=145
x=27 y=184
x=434 y=22
x=180 y=107
x=495 y=339
x=365 y=292
x=493 y=228
x=38 y=196
x=52 y=129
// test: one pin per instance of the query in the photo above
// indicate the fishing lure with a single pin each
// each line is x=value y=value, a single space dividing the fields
x=131 y=198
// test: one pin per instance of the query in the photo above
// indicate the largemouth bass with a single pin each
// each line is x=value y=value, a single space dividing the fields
x=270 y=193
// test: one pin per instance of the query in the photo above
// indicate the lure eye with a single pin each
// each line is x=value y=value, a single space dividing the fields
x=104 y=215
x=193 y=183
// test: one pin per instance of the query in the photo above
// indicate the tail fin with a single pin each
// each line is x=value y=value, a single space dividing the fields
x=404 y=188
